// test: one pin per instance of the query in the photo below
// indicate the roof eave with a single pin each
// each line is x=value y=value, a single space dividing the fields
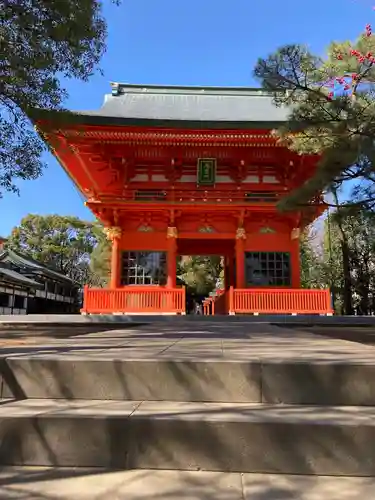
x=65 y=120
x=20 y=281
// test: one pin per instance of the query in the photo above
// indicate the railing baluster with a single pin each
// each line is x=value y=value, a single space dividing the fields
x=283 y=301
x=153 y=299
x=133 y=300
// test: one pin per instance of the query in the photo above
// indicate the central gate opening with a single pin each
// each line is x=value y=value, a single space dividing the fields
x=205 y=267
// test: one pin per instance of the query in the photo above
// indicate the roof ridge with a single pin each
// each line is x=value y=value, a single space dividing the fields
x=119 y=88
x=183 y=87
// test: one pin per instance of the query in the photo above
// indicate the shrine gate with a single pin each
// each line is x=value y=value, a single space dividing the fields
x=189 y=171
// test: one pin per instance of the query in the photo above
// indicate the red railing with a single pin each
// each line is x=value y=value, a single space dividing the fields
x=207 y=306
x=280 y=301
x=134 y=299
x=217 y=304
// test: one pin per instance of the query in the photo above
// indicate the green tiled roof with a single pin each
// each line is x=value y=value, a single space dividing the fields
x=225 y=108
x=190 y=104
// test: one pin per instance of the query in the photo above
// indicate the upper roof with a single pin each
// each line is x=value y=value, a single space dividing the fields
x=189 y=104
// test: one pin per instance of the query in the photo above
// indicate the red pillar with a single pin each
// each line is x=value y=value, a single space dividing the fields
x=240 y=258
x=295 y=259
x=172 y=257
x=114 y=235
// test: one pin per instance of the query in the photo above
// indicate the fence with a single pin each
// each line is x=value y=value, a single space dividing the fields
x=134 y=299
x=279 y=301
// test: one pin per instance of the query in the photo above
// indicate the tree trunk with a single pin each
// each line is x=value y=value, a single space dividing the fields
x=347 y=292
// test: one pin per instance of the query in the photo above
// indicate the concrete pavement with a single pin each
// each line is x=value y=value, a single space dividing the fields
x=195 y=395
x=67 y=484
x=187 y=340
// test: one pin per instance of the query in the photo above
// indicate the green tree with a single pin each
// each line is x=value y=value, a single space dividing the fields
x=200 y=273
x=100 y=259
x=40 y=41
x=346 y=265
x=359 y=227
x=339 y=127
x=312 y=266
x=62 y=242
x=332 y=262
x=341 y=218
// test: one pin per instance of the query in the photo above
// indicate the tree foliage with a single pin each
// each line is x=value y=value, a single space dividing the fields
x=100 y=259
x=40 y=42
x=200 y=274
x=64 y=243
x=331 y=110
x=344 y=264
x=311 y=265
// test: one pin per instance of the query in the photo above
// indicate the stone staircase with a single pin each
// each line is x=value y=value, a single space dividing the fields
x=220 y=397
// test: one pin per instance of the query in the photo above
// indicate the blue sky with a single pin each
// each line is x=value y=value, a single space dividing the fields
x=187 y=42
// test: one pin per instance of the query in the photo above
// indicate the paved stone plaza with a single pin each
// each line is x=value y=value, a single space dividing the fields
x=60 y=484
x=196 y=394
x=183 y=340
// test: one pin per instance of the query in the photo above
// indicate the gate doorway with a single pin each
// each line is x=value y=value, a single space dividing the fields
x=205 y=267
x=202 y=276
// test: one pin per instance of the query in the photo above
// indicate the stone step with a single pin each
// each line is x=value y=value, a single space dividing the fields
x=87 y=484
x=122 y=319
x=252 y=380
x=287 y=439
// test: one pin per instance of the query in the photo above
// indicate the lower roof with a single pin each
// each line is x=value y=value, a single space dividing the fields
x=35 y=267
x=13 y=277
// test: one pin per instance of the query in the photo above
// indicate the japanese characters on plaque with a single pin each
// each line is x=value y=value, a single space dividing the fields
x=206 y=171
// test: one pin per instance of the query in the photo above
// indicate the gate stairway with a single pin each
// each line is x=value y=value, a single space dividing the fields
x=234 y=398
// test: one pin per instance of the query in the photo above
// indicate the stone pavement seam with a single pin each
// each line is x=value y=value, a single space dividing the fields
x=135 y=409
x=242 y=487
x=115 y=346
x=171 y=345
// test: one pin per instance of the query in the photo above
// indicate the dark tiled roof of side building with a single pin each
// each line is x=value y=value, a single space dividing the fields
x=10 y=276
x=36 y=267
